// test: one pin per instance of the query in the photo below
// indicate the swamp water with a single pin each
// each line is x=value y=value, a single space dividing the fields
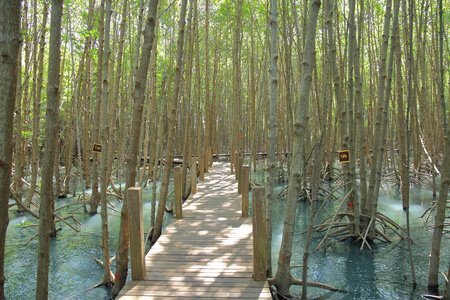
x=384 y=274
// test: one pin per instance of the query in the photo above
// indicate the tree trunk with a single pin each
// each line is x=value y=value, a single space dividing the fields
x=105 y=142
x=46 y=208
x=378 y=123
x=283 y=278
x=172 y=126
x=272 y=129
x=439 y=220
x=95 y=196
x=37 y=109
x=132 y=159
x=384 y=95
x=10 y=41
x=360 y=115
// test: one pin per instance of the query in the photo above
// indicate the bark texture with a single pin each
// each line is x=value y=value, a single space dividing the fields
x=283 y=278
x=132 y=159
x=46 y=208
x=172 y=123
x=10 y=41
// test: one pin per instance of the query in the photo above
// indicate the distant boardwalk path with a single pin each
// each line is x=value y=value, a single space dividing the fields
x=207 y=254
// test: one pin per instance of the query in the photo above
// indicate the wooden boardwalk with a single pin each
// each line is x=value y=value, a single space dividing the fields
x=208 y=253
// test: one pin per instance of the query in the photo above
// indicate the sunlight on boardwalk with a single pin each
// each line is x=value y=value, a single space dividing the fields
x=207 y=254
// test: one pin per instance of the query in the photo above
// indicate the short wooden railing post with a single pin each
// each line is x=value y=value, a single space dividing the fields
x=239 y=173
x=193 y=176
x=211 y=156
x=206 y=164
x=259 y=234
x=245 y=190
x=231 y=164
x=201 y=166
x=178 y=196
x=136 y=231
x=235 y=158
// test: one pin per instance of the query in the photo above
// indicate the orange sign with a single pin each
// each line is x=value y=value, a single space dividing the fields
x=97 y=148
x=344 y=156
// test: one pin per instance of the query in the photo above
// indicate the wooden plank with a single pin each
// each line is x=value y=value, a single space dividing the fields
x=206 y=255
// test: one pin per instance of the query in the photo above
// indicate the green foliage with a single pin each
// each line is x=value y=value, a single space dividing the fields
x=27 y=134
x=23 y=224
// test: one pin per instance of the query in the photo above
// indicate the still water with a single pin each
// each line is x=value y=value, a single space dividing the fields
x=384 y=274
x=73 y=271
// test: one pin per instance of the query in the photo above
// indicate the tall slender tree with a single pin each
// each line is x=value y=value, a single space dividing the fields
x=10 y=41
x=272 y=127
x=46 y=208
x=106 y=147
x=283 y=278
x=132 y=158
x=433 y=271
x=172 y=124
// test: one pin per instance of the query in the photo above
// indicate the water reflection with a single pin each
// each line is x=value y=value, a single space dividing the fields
x=382 y=275
x=72 y=268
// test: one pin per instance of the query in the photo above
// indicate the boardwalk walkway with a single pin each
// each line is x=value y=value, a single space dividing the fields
x=207 y=254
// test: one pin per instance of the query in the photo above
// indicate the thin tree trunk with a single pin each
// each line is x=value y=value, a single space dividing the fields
x=95 y=196
x=132 y=158
x=10 y=41
x=172 y=125
x=46 y=208
x=37 y=109
x=439 y=220
x=105 y=142
x=187 y=145
x=352 y=203
x=378 y=121
x=382 y=119
x=272 y=130
x=283 y=278
x=408 y=142
x=360 y=114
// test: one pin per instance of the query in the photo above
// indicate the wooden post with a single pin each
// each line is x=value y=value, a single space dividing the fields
x=211 y=156
x=206 y=164
x=193 y=176
x=201 y=166
x=239 y=173
x=245 y=190
x=136 y=231
x=178 y=187
x=259 y=234
x=235 y=158
x=231 y=168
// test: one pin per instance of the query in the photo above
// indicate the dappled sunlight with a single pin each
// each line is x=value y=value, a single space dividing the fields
x=208 y=253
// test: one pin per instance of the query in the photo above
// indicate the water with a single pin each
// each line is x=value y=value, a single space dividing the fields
x=73 y=272
x=384 y=274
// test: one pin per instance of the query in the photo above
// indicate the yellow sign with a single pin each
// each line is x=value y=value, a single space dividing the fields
x=344 y=156
x=97 y=148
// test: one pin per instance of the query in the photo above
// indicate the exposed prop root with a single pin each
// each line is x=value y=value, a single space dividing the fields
x=343 y=226
x=294 y=281
x=170 y=208
x=432 y=297
x=430 y=213
x=111 y=274
x=318 y=285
